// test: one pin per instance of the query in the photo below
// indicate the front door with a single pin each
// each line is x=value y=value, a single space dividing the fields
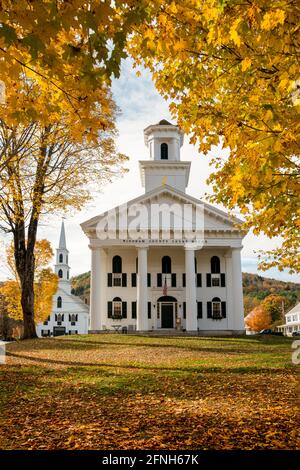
x=59 y=330
x=167 y=317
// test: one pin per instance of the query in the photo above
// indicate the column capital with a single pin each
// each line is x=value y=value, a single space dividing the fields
x=190 y=246
x=142 y=246
x=236 y=248
x=95 y=247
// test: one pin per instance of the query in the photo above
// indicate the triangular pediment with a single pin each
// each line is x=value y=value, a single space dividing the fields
x=175 y=208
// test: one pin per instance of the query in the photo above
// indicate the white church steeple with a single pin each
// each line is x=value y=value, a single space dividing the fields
x=164 y=141
x=62 y=268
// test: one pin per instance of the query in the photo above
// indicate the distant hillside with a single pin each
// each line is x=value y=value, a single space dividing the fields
x=256 y=288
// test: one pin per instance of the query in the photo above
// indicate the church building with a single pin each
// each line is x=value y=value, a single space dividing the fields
x=165 y=261
x=69 y=314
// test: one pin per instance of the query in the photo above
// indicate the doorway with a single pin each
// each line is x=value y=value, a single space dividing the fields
x=167 y=306
x=167 y=315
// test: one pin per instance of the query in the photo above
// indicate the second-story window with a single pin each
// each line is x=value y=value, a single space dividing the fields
x=166 y=265
x=117 y=271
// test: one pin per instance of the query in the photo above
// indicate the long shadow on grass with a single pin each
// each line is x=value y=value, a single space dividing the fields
x=198 y=369
x=65 y=344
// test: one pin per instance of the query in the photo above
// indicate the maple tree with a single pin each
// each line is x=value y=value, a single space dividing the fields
x=259 y=319
x=231 y=70
x=45 y=283
x=71 y=50
x=274 y=305
x=48 y=167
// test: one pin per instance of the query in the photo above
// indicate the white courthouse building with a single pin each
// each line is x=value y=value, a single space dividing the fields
x=69 y=314
x=165 y=261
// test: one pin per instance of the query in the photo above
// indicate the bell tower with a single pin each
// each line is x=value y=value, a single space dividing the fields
x=164 y=141
x=62 y=268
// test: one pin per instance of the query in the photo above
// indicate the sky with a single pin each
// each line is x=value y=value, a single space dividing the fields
x=140 y=105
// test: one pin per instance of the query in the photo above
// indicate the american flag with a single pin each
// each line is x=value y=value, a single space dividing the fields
x=165 y=289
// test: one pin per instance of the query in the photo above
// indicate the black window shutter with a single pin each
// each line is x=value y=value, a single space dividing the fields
x=55 y=317
x=208 y=280
x=109 y=309
x=124 y=280
x=209 y=313
x=148 y=279
x=173 y=279
x=124 y=309
x=199 y=280
x=76 y=317
x=199 y=309
x=159 y=280
x=109 y=279
x=149 y=309
x=69 y=317
x=183 y=279
x=223 y=305
x=133 y=279
x=222 y=279
x=133 y=310
x=184 y=309
x=62 y=317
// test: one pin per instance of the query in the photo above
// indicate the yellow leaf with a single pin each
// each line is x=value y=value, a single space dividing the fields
x=246 y=63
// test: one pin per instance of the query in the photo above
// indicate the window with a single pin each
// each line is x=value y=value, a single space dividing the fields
x=117 y=271
x=215 y=265
x=164 y=151
x=60 y=273
x=215 y=280
x=59 y=318
x=117 y=308
x=117 y=264
x=216 y=308
x=195 y=265
x=117 y=280
x=73 y=318
x=67 y=274
x=166 y=267
x=59 y=302
x=61 y=258
x=133 y=310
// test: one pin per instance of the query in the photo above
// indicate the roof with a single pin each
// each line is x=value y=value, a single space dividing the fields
x=62 y=239
x=295 y=309
x=168 y=190
x=164 y=122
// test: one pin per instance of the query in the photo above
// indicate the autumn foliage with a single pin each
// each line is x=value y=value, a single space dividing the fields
x=259 y=319
x=231 y=71
x=45 y=284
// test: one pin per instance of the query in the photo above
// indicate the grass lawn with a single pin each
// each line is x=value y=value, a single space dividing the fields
x=136 y=392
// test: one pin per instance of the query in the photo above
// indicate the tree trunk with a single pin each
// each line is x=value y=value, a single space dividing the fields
x=25 y=263
x=27 y=302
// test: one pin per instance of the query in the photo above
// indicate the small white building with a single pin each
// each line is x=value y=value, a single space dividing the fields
x=292 y=321
x=69 y=313
x=150 y=268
